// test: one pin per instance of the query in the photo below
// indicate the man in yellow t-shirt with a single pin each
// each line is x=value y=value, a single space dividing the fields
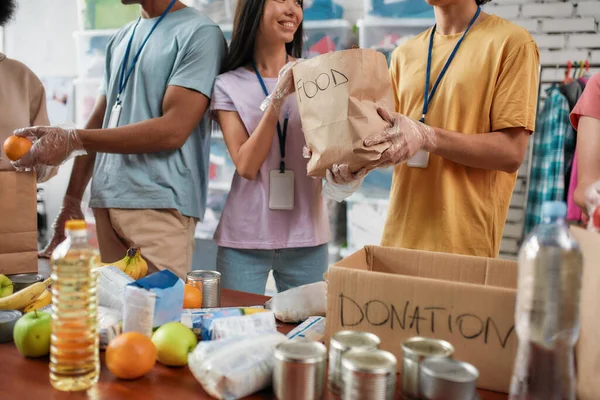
x=454 y=195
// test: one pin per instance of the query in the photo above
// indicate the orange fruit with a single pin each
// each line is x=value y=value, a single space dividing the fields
x=192 y=297
x=15 y=147
x=130 y=355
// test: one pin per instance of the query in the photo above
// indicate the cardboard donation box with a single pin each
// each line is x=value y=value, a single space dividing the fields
x=338 y=95
x=397 y=294
x=588 y=347
x=18 y=223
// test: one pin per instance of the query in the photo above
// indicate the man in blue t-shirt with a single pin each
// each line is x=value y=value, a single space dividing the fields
x=146 y=144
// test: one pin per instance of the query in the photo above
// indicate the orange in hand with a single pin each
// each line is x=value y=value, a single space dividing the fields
x=130 y=355
x=192 y=297
x=15 y=147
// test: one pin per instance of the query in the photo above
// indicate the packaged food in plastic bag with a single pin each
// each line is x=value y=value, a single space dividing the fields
x=111 y=287
x=312 y=329
x=223 y=328
x=110 y=325
x=297 y=304
x=235 y=368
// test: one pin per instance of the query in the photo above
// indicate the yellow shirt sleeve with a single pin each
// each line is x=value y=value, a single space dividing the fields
x=394 y=73
x=515 y=97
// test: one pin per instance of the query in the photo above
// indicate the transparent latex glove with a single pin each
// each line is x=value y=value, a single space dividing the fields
x=285 y=86
x=52 y=146
x=340 y=182
x=406 y=137
x=71 y=209
x=45 y=173
x=592 y=200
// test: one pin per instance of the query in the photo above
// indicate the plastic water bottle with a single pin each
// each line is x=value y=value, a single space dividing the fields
x=547 y=312
x=74 y=343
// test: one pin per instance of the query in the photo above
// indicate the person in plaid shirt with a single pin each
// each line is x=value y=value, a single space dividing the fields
x=547 y=178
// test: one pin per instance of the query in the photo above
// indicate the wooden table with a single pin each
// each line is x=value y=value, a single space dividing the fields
x=22 y=378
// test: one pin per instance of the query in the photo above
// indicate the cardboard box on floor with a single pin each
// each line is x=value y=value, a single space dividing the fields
x=397 y=294
x=18 y=223
x=588 y=347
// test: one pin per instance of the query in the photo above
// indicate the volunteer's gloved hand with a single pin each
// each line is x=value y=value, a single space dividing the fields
x=592 y=201
x=406 y=137
x=285 y=86
x=51 y=147
x=340 y=182
x=71 y=209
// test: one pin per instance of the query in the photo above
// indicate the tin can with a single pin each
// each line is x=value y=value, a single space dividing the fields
x=299 y=372
x=448 y=379
x=368 y=375
x=415 y=350
x=340 y=343
x=209 y=283
x=21 y=281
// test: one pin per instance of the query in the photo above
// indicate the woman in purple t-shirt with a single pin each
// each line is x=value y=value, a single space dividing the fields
x=275 y=216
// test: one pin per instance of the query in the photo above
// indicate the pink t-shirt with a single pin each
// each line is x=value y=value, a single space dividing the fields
x=246 y=221
x=588 y=105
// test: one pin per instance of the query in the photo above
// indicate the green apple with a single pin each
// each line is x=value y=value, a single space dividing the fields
x=6 y=286
x=173 y=342
x=32 y=334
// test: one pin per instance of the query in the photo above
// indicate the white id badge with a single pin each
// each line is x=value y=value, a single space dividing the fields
x=419 y=160
x=281 y=190
x=115 y=114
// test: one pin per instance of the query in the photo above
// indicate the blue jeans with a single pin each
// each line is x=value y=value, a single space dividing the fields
x=248 y=270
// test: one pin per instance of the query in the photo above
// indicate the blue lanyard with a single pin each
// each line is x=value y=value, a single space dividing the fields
x=124 y=78
x=429 y=95
x=281 y=134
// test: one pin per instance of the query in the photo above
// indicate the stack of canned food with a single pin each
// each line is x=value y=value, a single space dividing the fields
x=360 y=370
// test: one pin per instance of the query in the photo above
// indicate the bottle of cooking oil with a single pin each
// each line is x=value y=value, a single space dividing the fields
x=547 y=312
x=74 y=347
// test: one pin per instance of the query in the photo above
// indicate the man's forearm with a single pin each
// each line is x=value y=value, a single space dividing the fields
x=153 y=135
x=504 y=150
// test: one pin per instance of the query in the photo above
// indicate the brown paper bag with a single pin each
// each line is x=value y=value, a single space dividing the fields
x=338 y=95
x=18 y=222
x=588 y=346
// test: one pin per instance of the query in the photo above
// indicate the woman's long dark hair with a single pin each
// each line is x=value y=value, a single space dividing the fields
x=248 y=15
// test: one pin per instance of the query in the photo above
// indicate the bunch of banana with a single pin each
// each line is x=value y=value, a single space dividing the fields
x=42 y=301
x=24 y=297
x=132 y=264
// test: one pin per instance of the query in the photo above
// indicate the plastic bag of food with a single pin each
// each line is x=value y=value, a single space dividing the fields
x=297 y=304
x=110 y=325
x=312 y=329
x=235 y=368
x=111 y=287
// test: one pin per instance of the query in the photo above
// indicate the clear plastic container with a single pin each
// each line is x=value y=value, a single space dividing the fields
x=86 y=94
x=91 y=52
x=398 y=9
x=219 y=11
x=547 y=312
x=321 y=37
x=74 y=346
x=385 y=35
x=105 y=14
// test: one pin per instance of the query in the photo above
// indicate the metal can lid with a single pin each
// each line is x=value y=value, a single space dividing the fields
x=26 y=278
x=418 y=347
x=204 y=275
x=372 y=361
x=8 y=316
x=301 y=351
x=449 y=370
x=345 y=340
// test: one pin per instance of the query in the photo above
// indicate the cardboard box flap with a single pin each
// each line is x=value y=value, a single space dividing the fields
x=432 y=265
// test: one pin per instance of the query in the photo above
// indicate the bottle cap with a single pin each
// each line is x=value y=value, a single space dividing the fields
x=554 y=209
x=75 y=224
